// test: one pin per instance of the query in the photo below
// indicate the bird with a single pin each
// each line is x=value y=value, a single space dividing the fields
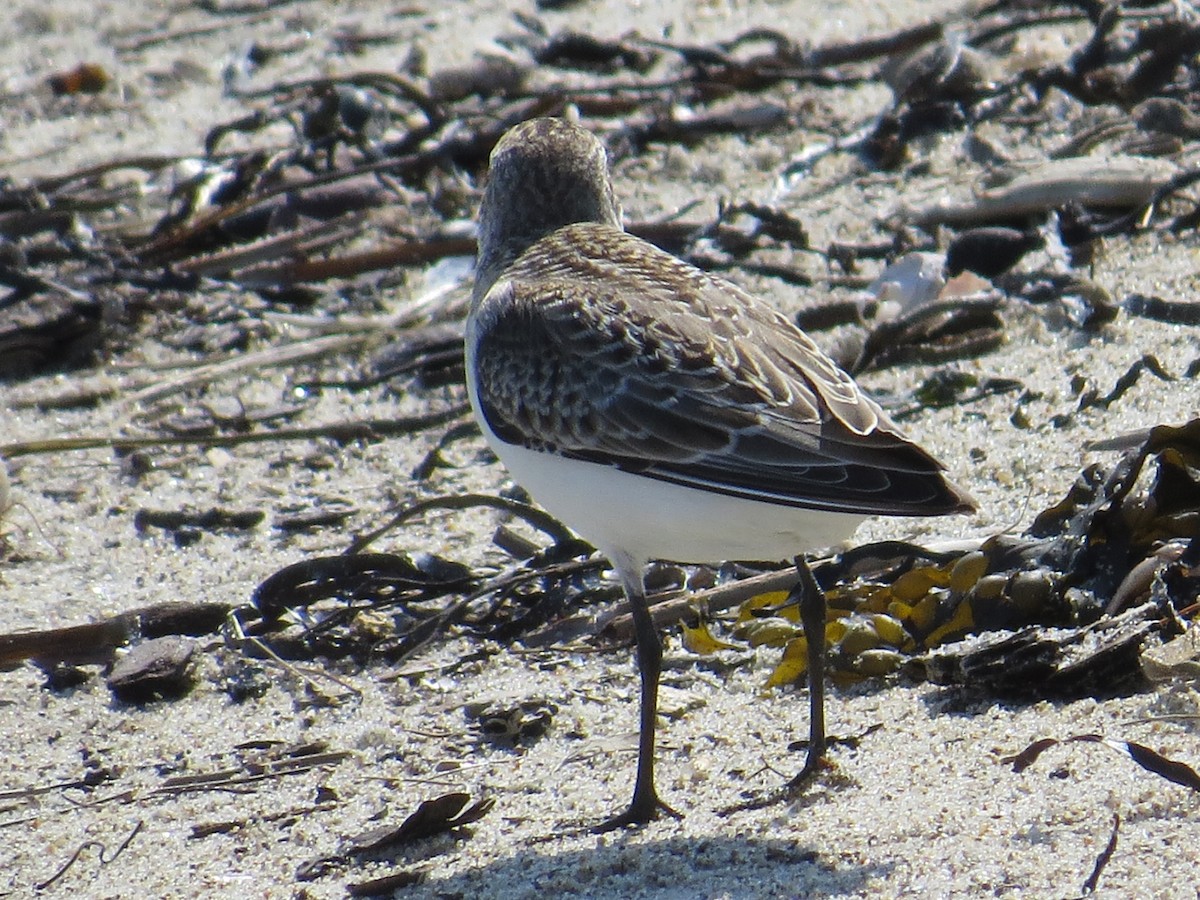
x=661 y=411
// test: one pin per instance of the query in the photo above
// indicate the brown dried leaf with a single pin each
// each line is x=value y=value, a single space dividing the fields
x=1151 y=760
x=435 y=816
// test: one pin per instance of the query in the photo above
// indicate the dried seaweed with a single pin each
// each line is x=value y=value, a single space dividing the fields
x=1096 y=549
x=1103 y=857
x=96 y=642
x=1064 y=610
x=1152 y=761
x=446 y=813
x=106 y=858
x=1088 y=660
x=269 y=217
x=255 y=763
x=933 y=332
x=343 y=432
x=1175 y=312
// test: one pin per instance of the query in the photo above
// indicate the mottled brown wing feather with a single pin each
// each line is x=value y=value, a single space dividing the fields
x=598 y=346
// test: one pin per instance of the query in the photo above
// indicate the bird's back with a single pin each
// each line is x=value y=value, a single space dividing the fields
x=598 y=346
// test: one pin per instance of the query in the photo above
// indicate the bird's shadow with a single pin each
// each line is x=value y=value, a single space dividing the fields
x=624 y=865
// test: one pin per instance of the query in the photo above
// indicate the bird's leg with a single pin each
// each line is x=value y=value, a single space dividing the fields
x=646 y=805
x=812 y=618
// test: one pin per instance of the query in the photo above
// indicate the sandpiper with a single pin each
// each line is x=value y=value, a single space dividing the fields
x=663 y=412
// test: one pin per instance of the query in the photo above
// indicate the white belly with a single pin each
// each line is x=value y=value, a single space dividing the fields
x=651 y=519
x=643 y=518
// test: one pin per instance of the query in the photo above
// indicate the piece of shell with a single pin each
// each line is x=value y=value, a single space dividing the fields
x=508 y=720
x=1122 y=182
x=948 y=69
x=1176 y=660
x=6 y=500
x=911 y=281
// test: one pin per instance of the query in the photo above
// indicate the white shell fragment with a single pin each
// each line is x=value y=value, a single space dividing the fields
x=911 y=281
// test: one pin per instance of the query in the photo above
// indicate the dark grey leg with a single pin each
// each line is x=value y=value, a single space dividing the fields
x=812 y=618
x=646 y=805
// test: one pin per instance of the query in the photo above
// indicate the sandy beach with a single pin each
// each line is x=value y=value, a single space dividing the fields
x=103 y=798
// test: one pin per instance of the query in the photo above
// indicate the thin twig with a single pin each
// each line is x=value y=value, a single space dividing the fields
x=368 y=429
x=84 y=846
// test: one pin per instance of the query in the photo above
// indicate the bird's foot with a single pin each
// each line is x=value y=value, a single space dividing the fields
x=789 y=791
x=642 y=810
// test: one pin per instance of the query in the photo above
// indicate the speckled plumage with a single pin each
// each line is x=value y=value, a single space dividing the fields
x=599 y=346
x=659 y=410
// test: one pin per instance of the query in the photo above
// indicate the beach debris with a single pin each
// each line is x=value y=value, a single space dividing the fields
x=1176 y=660
x=946 y=328
x=6 y=503
x=489 y=75
x=1103 y=857
x=914 y=280
x=446 y=813
x=508 y=721
x=944 y=69
x=888 y=602
x=1161 y=309
x=330 y=512
x=1034 y=189
x=1037 y=661
x=96 y=642
x=432 y=353
x=698 y=638
x=256 y=761
x=85 y=78
x=989 y=250
x=385 y=885
x=284 y=221
x=365 y=605
x=585 y=52
x=105 y=857
x=1088 y=396
x=158 y=668
x=187 y=526
x=1151 y=760
x=315 y=199
x=1070 y=608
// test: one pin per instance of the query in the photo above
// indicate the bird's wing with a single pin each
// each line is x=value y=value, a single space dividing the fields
x=597 y=346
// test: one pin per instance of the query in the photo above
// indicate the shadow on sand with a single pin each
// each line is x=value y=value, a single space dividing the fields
x=626 y=865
